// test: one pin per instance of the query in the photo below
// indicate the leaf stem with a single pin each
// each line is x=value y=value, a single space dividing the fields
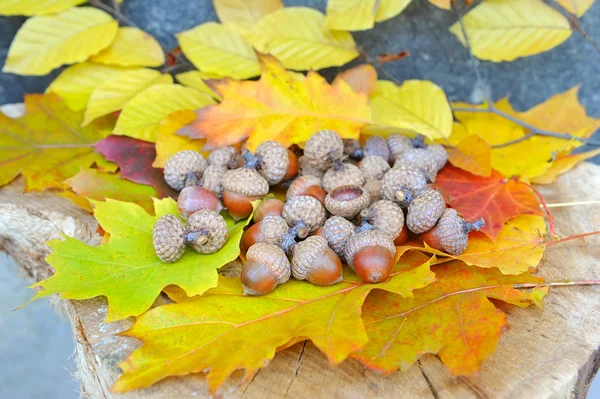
x=116 y=12
x=564 y=204
x=591 y=233
x=559 y=283
x=543 y=203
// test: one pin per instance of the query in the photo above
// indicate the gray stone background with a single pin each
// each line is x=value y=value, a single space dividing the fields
x=38 y=342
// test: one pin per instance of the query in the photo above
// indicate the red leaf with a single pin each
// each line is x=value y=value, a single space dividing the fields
x=135 y=158
x=495 y=198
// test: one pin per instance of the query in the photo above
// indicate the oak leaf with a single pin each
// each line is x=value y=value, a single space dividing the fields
x=453 y=318
x=245 y=12
x=126 y=270
x=132 y=47
x=362 y=78
x=168 y=143
x=47 y=144
x=495 y=198
x=250 y=329
x=279 y=107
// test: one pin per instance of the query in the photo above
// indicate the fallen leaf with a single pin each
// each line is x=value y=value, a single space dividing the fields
x=504 y=30
x=495 y=198
x=219 y=49
x=112 y=94
x=278 y=107
x=141 y=116
x=452 y=318
x=245 y=12
x=89 y=183
x=362 y=78
x=251 y=329
x=388 y=9
x=47 y=144
x=296 y=36
x=385 y=57
x=198 y=80
x=577 y=7
x=168 y=143
x=132 y=47
x=473 y=155
x=135 y=158
x=76 y=33
x=36 y=7
x=562 y=165
x=126 y=270
x=350 y=14
x=518 y=247
x=443 y=4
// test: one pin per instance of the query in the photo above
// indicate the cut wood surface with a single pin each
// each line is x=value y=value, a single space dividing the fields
x=553 y=353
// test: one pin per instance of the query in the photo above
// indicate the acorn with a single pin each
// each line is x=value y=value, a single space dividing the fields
x=373 y=187
x=398 y=144
x=438 y=151
x=377 y=146
x=402 y=238
x=292 y=169
x=402 y=184
x=385 y=216
x=184 y=168
x=353 y=149
x=265 y=268
x=273 y=161
x=306 y=170
x=240 y=187
x=168 y=238
x=212 y=179
x=370 y=254
x=347 y=201
x=337 y=231
x=206 y=231
x=420 y=159
x=306 y=185
x=314 y=261
x=192 y=199
x=270 y=206
x=451 y=233
x=424 y=211
x=304 y=213
x=323 y=148
x=223 y=157
x=373 y=167
x=272 y=230
x=342 y=174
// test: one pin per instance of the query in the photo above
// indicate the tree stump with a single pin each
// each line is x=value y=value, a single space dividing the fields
x=553 y=353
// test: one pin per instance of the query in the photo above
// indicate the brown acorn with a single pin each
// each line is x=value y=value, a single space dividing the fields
x=420 y=159
x=192 y=199
x=306 y=185
x=223 y=157
x=347 y=201
x=307 y=170
x=292 y=169
x=342 y=174
x=402 y=184
x=273 y=161
x=337 y=231
x=373 y=167
x=212 y=179
x=184 y=169
x=314 y=261
x=323 y=148
x=272 y=230
x=373 y=187
x=424 y=212
x=451 y=233
x=240 y=187
x=270 y=206
x=371 y=254
x=403 y=237
x=304 y=212
x=265 y=268
x=398 y=144
x=377 y=146
x=385 y=216
x=206 y=231
x=168 y=238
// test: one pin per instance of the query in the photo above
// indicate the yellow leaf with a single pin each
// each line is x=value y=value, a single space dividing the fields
x=76 y=83
x=36 y=7
x=562 y=165
x=444 y=4
x=297 y=37
x=473 y=155
x=350 y=14
x=577 y=7
x=168 y=143
x=219 y=49
x=245 y=12
x=114 y=93
x=132 y=47
x=141 y=116
x=417 y=105
x=47 y=42
x=503 y=30
x=197 y=80
x=390 y=8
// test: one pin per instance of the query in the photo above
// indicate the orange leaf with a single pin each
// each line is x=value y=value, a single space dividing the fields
x=494 y=198
x=278 y=107
x=473 y=155
x=452 y=318
x=224 y=330
x=562 y=165
x=361 y=78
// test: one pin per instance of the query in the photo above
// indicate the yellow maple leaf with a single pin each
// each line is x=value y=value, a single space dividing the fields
x=473 y=155
x=132 y=47
x=562 y=165
x=245 y=12
x=279 y=107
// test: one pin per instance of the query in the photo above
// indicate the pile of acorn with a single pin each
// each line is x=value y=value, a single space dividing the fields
x=344 y=203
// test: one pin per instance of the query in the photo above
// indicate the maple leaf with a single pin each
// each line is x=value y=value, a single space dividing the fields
x=126 y=270
x=135 y=158
x=518 y=248
x=453 y=318
x=495 y=198
x=250 y=329
x=278 y=107
x=563 y=164
x=473 y=155
x=47 y=145
x=168 y=143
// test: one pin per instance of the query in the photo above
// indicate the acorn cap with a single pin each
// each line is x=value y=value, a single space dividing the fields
x=352 y=148
x=373 y=187
x=273 y=161
x=337 y=231
x=266 y=267
x=440 y=155
x=453 y=231
x=168 y=238
x=245 y=181
x=304 y=210
x=373 y=167
x=223 y=157
x=184 y=168
x=420 y=159
x=368 y=238
x=377 y=146
x=402 y=184
x=347 y=201
x=323 y=148
x=212 y=179
x=424 y=212
x=206 y=231
x=398 y=144
x=273 y=229
x=308 y=170
x=386 y=216
x=301 y=184
x=342 y=174
x=313 y=260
